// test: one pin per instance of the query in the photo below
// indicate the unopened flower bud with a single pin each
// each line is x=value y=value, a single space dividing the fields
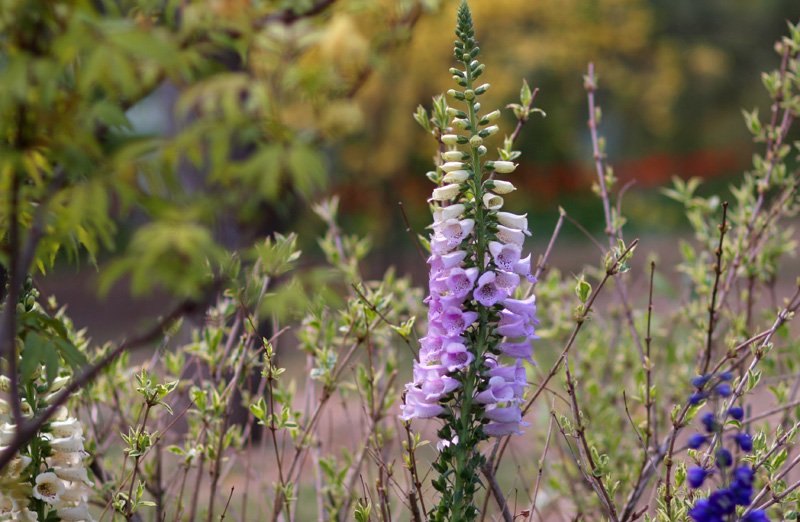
x=481 y=150
x=454 y=155
x=461 y=123
x=503 y=187
x=446 y=192
x=504 y=167
x=482 y=89
x=469 y=94
x=514 y=221
x=476 y=141
x=450 y=139
x=488 y=131
x=456 y=94
x=453 y=165
x=492 y=116
x=456 y=176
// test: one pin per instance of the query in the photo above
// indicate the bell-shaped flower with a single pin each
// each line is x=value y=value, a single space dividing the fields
x=488 y=293
x=492 y=201
x=74 y=514
x=498 y=391
x=513 y=325
x=416 y=407
x=67 y=428
x=430 y=349
x=517 y=221
x=507 y=282
x=505 y=256
x=444 y=443
x=523 y=350
x=449 y=212
x=525 y=308
x=446 y=192
x=434 y=389
x=48 y=487
x=453 y=258
x=67 y=444
x=455 y=321
x=501 y=429
x=454 y=230
x=510 y=235
x=515 y=376
x=77 y=474
x=461 y=281
x=426 y=372
x=456 y=356
x=8 y=505
x=523 y=268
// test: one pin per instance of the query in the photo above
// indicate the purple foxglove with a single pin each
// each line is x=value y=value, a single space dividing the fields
x=456 y=356
x=523 y=268
x=510 y=235
x=525 y=308
x=505 y=256
x=498 y=391
x=507 y=282
x=461 y=281
x=455 y=321
x=523 y=350
x=454 y=231
x=448 y=212
x=488 y=292
x=513 y=325
x=435 y=389
x=415 y=406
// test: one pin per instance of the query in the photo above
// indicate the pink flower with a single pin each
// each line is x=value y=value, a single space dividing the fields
x=487 y=292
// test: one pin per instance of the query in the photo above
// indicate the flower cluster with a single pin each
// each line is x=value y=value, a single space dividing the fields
x=60 y=480
x=476 y=266
x=736 y=485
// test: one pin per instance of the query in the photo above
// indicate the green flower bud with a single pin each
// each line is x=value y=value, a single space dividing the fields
x=469 y=94
x=456 y=94
x=476 y=141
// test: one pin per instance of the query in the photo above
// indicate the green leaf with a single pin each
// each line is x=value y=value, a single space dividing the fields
x=306 y=168
x=71 y=354
x=31 y=356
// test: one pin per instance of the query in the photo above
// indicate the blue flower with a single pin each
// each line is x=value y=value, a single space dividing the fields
x=757 y=515
x=700 y=381
x=736 y=412
x=703 y=511
x=724 y=389
x=722 y=501
x=726 y=376
x=709 y=421
x=723 y=457
x=696 y=440
x=744 y=440
x=696 y=476
x=696 y=398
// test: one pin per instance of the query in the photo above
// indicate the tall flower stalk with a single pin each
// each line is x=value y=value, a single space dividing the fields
x=474 y=316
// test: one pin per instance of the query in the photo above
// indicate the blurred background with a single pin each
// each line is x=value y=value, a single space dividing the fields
x=673 y=76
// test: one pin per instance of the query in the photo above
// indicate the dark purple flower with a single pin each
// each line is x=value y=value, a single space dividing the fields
x=696 y=440
x=700 y=381
x=696 y=476
x=757 y=515
x=696 y=398
x=744 y=440
x=724 y=458
x=703 y=511
x=722 y=501
x=736 y=412
x=744 y=475
x=724 y=389
x=726 y=376
x=709 y=421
